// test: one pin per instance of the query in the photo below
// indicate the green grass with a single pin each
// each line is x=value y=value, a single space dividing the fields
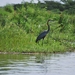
x=14 y=39
x=19 y=29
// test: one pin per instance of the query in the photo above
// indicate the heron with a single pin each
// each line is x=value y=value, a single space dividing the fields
x=43 y=34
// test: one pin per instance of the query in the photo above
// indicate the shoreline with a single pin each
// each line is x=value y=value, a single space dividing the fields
x=31 y=53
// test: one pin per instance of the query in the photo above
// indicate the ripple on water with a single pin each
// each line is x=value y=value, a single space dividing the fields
x=55 y=64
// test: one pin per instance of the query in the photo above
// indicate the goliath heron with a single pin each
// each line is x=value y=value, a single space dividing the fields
x=44 y=33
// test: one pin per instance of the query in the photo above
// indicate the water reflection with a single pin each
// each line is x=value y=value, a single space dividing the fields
x=40 y=64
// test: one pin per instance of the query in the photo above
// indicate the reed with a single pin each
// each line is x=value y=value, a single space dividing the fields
x=19 y=29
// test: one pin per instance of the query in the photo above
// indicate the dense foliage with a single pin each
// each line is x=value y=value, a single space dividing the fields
x=68 y=6
x=21 y=24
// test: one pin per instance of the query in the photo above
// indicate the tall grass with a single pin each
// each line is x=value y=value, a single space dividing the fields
x=19 y=29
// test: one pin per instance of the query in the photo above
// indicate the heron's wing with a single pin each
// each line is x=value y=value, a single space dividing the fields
x=42 y=35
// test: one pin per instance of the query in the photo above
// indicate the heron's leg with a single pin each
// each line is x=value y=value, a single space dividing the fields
x=38 y=42
x=42 y=41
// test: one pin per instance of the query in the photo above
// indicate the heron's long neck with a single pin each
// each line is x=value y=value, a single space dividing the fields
x=48 y=26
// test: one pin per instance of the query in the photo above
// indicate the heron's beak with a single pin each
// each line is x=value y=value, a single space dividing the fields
x=51 y=20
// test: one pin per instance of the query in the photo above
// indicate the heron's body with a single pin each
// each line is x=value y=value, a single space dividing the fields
x=43 y=34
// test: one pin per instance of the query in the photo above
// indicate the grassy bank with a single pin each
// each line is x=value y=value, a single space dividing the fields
x=19 y=29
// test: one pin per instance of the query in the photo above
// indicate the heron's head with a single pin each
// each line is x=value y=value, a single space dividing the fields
x=50 y=20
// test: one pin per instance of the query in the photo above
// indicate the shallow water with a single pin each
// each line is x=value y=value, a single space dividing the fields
x=39 y=64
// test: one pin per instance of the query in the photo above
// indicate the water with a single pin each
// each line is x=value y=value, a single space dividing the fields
x=38 y=64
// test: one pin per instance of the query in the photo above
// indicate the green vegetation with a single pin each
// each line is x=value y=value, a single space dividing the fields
x=19 y=28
